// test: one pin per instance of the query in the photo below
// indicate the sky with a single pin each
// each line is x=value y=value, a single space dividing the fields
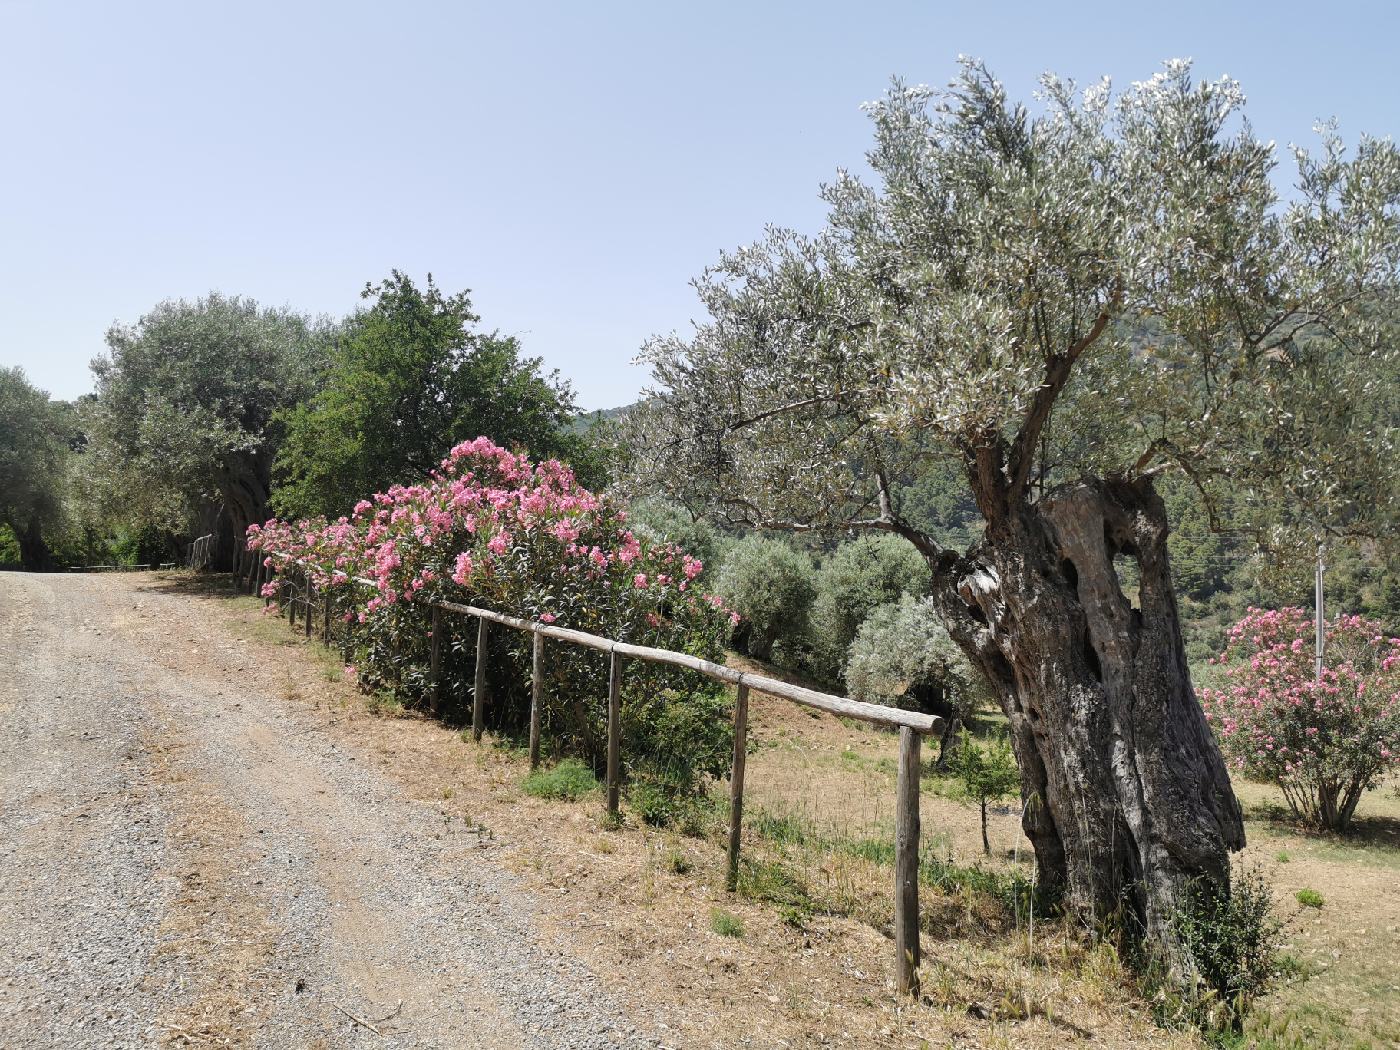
x=574 y=165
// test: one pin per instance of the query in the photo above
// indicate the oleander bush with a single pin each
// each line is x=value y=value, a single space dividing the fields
x=1323 y=740
x=492 y=529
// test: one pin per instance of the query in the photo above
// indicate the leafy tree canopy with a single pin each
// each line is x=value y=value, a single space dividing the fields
x=186 y=405
x=34 y=446
x=410 y=376
x=1110 y=286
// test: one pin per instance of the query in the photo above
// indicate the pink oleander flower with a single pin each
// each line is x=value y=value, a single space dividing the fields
x=1324 y=741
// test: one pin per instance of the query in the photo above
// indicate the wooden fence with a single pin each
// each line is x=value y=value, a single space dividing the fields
x=913 y=726
x=122 y=568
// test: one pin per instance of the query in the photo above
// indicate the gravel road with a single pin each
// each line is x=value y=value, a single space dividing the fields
x=185 y=860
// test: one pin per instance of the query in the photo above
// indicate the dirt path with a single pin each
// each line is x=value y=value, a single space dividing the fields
x=186 y=860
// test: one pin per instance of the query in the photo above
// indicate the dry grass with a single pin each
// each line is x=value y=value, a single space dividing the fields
x=813 y=966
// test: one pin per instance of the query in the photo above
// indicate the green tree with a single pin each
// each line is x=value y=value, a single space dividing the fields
x=409 y=378
x=852 y=582
x=769 y=584
x=985 y=774
x=986 y=295
x=902 y=656
x=34 y=448
x=183 y=431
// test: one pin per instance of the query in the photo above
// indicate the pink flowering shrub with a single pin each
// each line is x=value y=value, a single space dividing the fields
x=1323 y=742
x=490 y=528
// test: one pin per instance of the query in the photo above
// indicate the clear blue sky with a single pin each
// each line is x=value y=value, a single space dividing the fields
x=573 y=164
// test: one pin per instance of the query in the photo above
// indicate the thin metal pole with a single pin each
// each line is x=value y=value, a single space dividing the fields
x=479 y=697
x=614 y=732
x=736 y=785
x=536 y=691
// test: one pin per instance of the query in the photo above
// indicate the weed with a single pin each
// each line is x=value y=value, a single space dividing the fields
x=725 y=924
x=678 y=863
x=570 y=779
x=1234 y=940
x=664 y=805
x=385 y=704
x=1282 y=856
x=774 y=882
x=1309 y=898
x=448 y=793
x=795 y=916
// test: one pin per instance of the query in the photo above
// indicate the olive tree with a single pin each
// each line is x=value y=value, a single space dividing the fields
x=185 y=416
x=902 y=656
x=1071 y=300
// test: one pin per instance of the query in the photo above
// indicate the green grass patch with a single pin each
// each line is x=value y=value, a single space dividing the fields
x=773 y=882
x=570 y=780
x=725 y=924
x=1309 y=898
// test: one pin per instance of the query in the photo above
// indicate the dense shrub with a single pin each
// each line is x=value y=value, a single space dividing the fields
x=492 y=529
x=854 y=580
x=1234 y=939
x=770 y=586
x=661 y=521
x=903 y=657
x=1323 y=741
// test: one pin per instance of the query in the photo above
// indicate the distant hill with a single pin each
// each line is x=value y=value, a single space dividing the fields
x=584 y=420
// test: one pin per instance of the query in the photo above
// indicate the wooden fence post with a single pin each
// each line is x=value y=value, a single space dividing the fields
x=479 y=691
x=290 y=605
x=435 y=661
x=614 y=732
x=306 y=610
x=906 y=865
x=326 y=615
x=736 y=784
x=536 y=689
x=268 y=573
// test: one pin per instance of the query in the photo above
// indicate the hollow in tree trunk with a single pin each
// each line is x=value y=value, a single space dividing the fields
x=1129 y=796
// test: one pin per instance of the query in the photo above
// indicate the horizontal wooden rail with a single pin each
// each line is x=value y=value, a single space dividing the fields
x=877 y=714
x=893 y=717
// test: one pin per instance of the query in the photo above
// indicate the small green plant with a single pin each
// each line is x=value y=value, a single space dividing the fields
x=570 y=779
x=1282 y=856
x=725 y=924
x=773 y=882
x=666 y=805
x=795 y=916
x=678 y=863
x=653 y=804
x=984 y=775
x=1231 y=934
x=385 y=704
x=1309 y=898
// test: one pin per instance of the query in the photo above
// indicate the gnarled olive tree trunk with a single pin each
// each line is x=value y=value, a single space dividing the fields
x=245 y=486
x=1130 y=799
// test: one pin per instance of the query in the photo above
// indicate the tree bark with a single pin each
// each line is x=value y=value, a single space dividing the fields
x=34 y=553
x=1129 y=797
